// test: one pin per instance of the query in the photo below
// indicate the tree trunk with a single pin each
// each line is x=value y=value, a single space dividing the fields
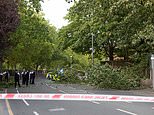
x=111 y=56
x=126 y=54
x=36 y=69
x=15 y=67
x=111 y=48
x=0 y=66
x=8 y=65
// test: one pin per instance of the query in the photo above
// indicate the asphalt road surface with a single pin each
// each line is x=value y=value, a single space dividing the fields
x=47 y=107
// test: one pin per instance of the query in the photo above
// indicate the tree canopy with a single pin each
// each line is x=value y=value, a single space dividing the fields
x=118 y=27
x=32 y=42
x=9 y=20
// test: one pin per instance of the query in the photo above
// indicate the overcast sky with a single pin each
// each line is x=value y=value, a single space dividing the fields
x=55 y=10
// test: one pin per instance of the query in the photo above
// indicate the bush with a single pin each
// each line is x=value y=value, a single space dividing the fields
x=4 y=84
x=131 y=77
x=105 y=76
x=70 y=76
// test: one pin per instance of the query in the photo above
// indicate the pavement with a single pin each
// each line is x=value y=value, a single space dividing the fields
x=144 y=92
x=46 y=107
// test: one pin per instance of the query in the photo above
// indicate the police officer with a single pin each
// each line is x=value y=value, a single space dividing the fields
x=33 y=77
x=7 y=76
x=1 y=76
x=16 y=78
x=27 y=77
x=23 y=78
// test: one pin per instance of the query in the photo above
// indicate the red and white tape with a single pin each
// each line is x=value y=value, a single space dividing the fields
x=76 y=97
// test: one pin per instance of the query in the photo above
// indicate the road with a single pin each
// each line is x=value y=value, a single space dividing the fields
x=46 y=107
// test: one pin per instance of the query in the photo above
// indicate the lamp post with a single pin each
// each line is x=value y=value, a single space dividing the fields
x=71 y=63
x=92 y=43
x=71 y=59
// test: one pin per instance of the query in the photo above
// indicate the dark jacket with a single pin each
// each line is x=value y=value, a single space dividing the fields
x=16 y=76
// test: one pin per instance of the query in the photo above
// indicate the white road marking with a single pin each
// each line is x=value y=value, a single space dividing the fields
x=63 y=91
x=124 y=111
x=95 y=102
x=53 y=87
x=23 y=99
x=25 y=102
x=56 y=88
x=57 y=109
x=153 y=108
x=47 y=85
x=128 y=101
x=17 y=91
x=35 y=113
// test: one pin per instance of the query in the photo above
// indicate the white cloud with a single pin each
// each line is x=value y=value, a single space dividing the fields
x=55 y=10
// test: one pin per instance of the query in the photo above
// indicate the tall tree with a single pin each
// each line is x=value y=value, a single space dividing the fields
x=9 y=20
x=116 y=25
x=33 y=47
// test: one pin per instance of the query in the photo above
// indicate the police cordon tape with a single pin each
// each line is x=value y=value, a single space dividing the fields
x=75 y=97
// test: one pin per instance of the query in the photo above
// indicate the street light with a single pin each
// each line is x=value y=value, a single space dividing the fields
x=71 y=59
x=92 y=43
x=71 y=63
x=92 y=48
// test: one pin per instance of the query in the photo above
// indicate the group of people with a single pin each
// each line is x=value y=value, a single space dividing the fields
x=27 y=77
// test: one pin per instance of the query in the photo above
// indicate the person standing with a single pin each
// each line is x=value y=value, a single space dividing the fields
x=27 y=77
x=33 y=77
x=7 y=76
x=1 y=76
x=23 y=78
x=16 y=78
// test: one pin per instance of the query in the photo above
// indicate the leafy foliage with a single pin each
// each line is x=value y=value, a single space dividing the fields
x=34 y=47
x=119 y=27
x=122 y=29
x=70 y=76
x=9 y=20
x=109 y=78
